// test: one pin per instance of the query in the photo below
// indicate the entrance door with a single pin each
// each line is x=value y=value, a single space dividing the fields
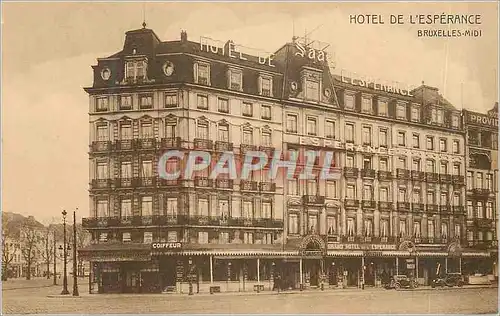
x=313 y=270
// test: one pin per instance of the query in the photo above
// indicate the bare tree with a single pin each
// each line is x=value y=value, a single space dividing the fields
x=8 y=251
x=47 y=253
x=30 y=237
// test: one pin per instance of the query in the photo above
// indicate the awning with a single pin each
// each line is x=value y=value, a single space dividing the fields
x=344 y=253
x=476 y=254
x=114 y=256
x=233 y=253
x=432 y=254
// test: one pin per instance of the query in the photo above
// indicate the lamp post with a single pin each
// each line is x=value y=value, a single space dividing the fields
x=65 y=277
x=75 y=280
x=55 y=257
x=190 y=279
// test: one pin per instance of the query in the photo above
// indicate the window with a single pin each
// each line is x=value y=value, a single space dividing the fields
x=456 y=169
x=203 y=207
x=402 y=162
x=479 y=180
x=470 y=235
x=455 y=121
x=291 y=123
x=267 y=239
x=416 y=229
x=368 y=226
x=332 y=225
x=367 y=192
x=430 y=166
x=349 y=161
x=223 y=238
x=126 y=237
x=203 y=237
x=331 y=189
x=265 y=113
x=384 y=194
x=102 y=170
x=147 y=206
x=223 y=209
x=312 y=90
x=470 y=209
x=415 y=113
x=170 y=127
x=416 y=141
x=266 y=138
x=311 y=126
x=126 y=170
x=102 y=133
x=382 y=138
x=202 y=130
x=247 y=136
x=480 y=236
x=223 y=105
x=430 y=228
x=384 y=228
x=312 y=224
x=367 y=135
x=444 y=230
x=266 y=210
x=351 y=227
x=401 y=112
x=402 y=195
x=171 y=209
x=430 y=143
x=102 y=104
x=248 y=238
x=440 y=116
x=348 y=101
x=431 y=197
x=367 y=162
x=202 y=102
x=416 y=196
x=126 y=102
x=442 y=145
x=171 y=100
x=469 y=180
x=402 y=228
x=489 y=235
x=456 y=146
x=223 y=133
x=293 y=224
x=172 y=236
x=312 y=187
x=266 y=86
x=293 y=187
x=489 y=210
x=146 y=101
x=457 y=231
x=202 y=74
x=383 y=164
x=135 y=69
x=416 y=164
x=444 y=198
x=401 y=139
x=330 y=129
x=126 y=208
x=148 y=237
x=247 y=109
x=236 y=78
x=147 y=169
x=456 y=199
x=480 y=210
x=247 y=209
x=489 y=181
x=351 y=191
x=366 y=105
x=349 y=133
x=103 y=237
x=382 y=108
x=443 y=167
x=147 y=130
x=102 y=208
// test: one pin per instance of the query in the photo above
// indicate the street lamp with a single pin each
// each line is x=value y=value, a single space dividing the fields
x=65 y=277
x=75 y=280
x=190 y=262
x=55 y=257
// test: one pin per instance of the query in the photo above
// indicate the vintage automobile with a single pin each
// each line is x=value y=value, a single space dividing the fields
x=401 y=281
x=450 y=280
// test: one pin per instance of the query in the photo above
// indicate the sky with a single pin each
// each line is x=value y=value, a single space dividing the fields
x=48 y=50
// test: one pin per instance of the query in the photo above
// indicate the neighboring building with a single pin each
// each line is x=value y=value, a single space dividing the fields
x=482 y=188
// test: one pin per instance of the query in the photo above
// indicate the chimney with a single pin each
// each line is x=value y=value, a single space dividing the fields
x=184 y=36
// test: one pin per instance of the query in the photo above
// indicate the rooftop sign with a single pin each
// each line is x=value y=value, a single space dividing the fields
x=375 y=84
x=361 y=246
x=481 y=119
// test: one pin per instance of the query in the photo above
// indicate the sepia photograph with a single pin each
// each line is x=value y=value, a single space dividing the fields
x=249 y=157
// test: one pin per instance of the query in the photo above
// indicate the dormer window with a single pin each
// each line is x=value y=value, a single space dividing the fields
x=366 y=104
x=235 y=80
x=348 y=101
x=312 y=90
x=437 y=116
x=266 y=86
x=135 y=69
x=401 y=111
x=415 y=113
x=383 y=108
x=455 y=121
x=202 y=73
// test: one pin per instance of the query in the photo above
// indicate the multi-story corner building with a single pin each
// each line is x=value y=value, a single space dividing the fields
x=153 y=234
x=482 y=188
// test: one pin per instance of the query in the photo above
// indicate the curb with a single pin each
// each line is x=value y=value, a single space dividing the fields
x=63 y=296
x=28 y=287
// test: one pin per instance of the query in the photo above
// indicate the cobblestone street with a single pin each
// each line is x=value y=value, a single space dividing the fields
x=430 y=301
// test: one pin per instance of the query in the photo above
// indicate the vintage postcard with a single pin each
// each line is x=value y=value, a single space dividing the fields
x=250 y=157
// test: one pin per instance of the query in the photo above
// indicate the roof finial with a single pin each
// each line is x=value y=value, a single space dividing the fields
x=144 y=15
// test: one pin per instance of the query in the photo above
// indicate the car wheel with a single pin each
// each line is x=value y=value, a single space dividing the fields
x=460 y=284
x=397 y=286
x=433 y=285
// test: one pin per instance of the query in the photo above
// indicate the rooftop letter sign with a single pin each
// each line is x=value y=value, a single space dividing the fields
x=311 y=53
x=376 y=84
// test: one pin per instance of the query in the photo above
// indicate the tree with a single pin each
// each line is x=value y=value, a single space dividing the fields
x=82 y=239
x=8 y=252
x=30 y=237
x=47 y=253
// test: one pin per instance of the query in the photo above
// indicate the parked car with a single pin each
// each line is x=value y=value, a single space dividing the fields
x=401 y=281
x=450 y=280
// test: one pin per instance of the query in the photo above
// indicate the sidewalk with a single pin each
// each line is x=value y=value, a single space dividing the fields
x=38 y=282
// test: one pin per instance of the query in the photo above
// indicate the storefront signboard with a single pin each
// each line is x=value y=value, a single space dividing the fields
x=166 y=246
x=335 y=246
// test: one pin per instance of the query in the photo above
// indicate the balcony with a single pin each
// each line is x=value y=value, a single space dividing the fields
x=367 y=204
x=417 y=207
x=268 y=150
x=445 y=178
x=171 y=142
x=345 y=239
x=458 y=180
x=146 y=143
x=224 y=183
x=162 y=220
x=368 y=173
x=385 y=205
x=267 y=187
x=483 y=222
x=146 y=182
x=100 y=184
x=203 y=182
x=484 y=244
x=248 y=185
x=202 y=143
x=351 y=203
x=313 y=199
x=458 y=209
x=432 y=208
x=170 y=183
x=403 y=174
x=403 y=206
x=481 y=192
x=223 y=146
x=125 y=144
x=100 y=146
x=417 y=175
x=350 y=172
x=124 y=182
x=244 y=148
x=386 y=239
x=431 y=177
x=445 y=209
x=384 y=175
